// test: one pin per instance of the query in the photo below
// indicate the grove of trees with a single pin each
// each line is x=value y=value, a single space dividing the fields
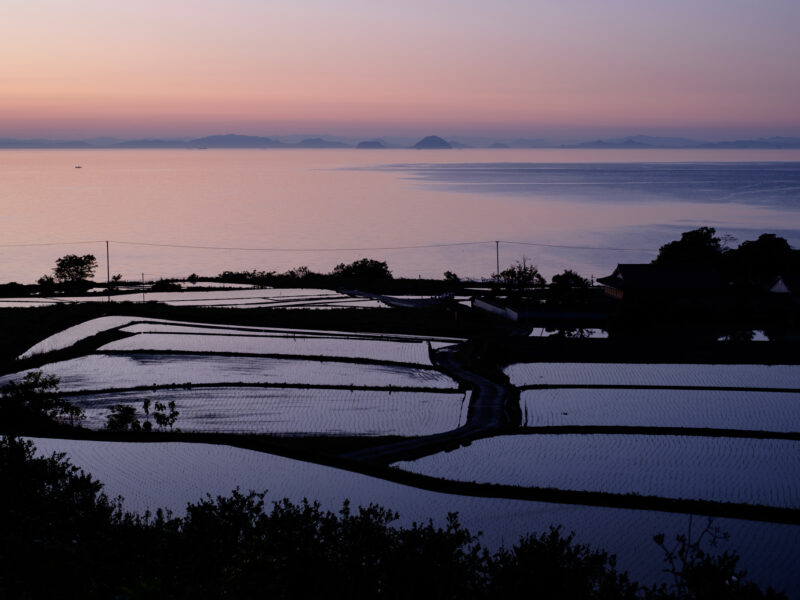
x=365 y=273
x=365 y=270
x=697 y=247
x=752 y=261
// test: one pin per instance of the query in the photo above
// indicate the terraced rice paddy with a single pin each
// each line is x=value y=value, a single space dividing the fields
x=26 y=302
x=294 y=411
x=169 y=475
x=242 y=343
x=234 y=393
x=720 y=469
x=643 y=375
x=246 y=297
x=120 y=371
x=72 y=335
x=154 y=326
x=81 y=331
x=717 y=409
x=234 y=379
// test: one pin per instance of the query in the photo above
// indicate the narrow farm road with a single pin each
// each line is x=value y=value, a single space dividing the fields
x=487 y=415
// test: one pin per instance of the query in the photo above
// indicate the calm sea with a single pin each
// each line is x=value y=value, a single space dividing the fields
x=424 y=212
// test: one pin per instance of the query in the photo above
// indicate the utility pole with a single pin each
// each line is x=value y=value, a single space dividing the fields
x=142 y=288
x=497 y=253
x=108 y=274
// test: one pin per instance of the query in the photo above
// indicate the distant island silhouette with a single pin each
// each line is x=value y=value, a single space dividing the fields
x=646 y=141
x=432 y=142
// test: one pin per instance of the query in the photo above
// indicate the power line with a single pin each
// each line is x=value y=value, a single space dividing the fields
x=360 y=248
x=351 y=249
x=579 y=247
x=51 y=244
x=250 y=249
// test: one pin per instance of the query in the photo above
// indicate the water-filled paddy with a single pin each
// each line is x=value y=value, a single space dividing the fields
x=401 y=352
x=739 y=470
x=293 y=411
x=718 y=409
x=712 y=375
x=106 y=371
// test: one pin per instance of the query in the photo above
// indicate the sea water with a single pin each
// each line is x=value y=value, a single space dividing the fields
x=170 y=213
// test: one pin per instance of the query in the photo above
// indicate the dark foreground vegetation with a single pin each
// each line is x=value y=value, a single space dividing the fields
x=63 y=538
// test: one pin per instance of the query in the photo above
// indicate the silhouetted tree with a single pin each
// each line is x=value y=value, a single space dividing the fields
x=569 y=288
x=366 y=271
x=122 y=417
x=699 y=574
x=299 y=272
x=519 y=279
x=47 y=285
x=165 y=415
x=451 y=281
x=761 y=259
x=35 y=401
x=697 y=247
x=72 y=269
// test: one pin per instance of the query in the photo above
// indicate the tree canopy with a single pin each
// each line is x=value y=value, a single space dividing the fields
x=697 y=247
x=753 y=261
x=365 y=270
x=71 y=269
x=35 y=402
x=766 y=257
x=520 y=278
x=569 y=288
x=569 y=279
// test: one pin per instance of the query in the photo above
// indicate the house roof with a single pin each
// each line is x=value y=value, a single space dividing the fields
x=647 y=277
x=788 y=283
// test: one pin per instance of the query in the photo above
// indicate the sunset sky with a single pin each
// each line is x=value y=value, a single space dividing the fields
x=718 y=69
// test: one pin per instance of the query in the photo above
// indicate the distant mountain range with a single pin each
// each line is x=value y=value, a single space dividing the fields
x=371 y=145
x=212 y=141
x=429 y=142
x=231 y=141
x=646 y=141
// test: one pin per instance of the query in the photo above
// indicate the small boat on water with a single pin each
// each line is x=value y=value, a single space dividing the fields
x=78 y=167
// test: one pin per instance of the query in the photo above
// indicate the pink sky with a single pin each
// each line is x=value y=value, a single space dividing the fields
x=716 y=68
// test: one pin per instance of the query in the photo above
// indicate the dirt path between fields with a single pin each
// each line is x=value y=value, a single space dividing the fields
x=488 y=415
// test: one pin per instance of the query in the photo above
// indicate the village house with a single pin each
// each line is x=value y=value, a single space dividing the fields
x=656 y=282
